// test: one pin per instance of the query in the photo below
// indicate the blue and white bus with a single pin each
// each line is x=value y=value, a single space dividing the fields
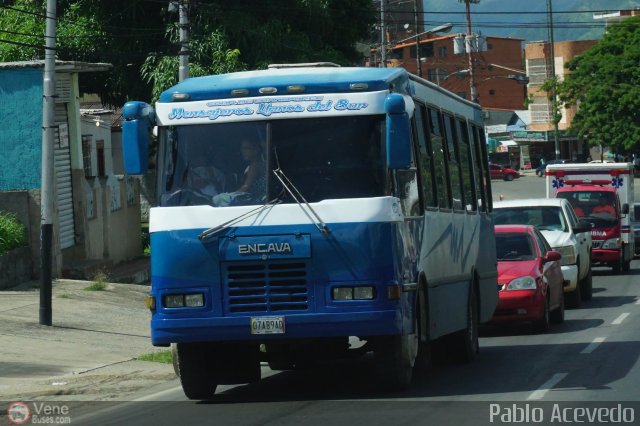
x=304 y=205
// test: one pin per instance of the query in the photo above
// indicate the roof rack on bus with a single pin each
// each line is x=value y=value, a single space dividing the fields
x=304 y=65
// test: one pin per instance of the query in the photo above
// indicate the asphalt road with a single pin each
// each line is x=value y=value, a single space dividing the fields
x=589 y=359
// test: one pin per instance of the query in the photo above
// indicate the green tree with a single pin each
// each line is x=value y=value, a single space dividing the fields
x=605 y=84
x=140 y=38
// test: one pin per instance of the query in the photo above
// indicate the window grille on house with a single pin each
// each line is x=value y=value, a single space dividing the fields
x=538 y=71
x=540 y=110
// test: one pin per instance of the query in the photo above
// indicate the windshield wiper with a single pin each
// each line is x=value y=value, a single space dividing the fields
x=290 y=188
x=212 y=231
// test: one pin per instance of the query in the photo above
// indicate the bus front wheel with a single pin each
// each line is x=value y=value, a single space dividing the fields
x=395 y=357
x=195 y=370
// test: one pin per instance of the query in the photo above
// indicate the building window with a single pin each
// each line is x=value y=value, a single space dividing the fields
x=490 y=67
x=489 y=46
x=442 y=51
x=492 y=92
x=538 y=71
x=426 y=50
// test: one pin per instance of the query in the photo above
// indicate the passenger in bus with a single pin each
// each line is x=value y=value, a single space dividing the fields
x=253 y=180
x=253 y=188
x=208 y=181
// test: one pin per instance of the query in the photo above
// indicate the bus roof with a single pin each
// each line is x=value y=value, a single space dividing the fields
x=314 y=79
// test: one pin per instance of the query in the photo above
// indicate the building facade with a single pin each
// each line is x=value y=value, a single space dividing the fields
x=81 y=200
x=539 y=70
x=496 y=64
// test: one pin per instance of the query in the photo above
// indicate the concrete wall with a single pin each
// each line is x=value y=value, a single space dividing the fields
x=21 y=135
x=26 y=206
x=15 y=267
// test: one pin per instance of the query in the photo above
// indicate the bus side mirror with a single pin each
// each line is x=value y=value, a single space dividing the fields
x=625 y=208
x=138 y=119
x=398 y=132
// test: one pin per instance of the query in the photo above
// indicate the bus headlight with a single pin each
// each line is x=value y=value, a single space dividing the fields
x=522 y=283
x=568 y=255
x=193 y=300
x=612 y=244
x=354 y=293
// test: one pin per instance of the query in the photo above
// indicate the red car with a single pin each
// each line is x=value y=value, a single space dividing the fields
x=500 y=172
x=530 y=281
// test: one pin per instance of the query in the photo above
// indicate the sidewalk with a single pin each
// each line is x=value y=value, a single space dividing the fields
x=89 y=352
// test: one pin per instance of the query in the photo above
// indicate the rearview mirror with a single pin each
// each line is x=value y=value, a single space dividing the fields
x=398 y=132
x=582 y=226
x=552 y=256
x=625 y=208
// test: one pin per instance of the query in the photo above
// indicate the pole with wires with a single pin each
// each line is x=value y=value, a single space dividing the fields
x=383 y=37
x=183 y=10
x=554 y=99
x=46 y=179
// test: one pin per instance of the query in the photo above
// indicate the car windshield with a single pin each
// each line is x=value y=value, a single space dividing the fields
x=231 y=164
x=548 y=218
x=514 y=246
x=597 y=207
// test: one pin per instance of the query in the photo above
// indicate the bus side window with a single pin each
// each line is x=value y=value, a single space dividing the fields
x=407 y=186
x=466 y=163
x=480 y=167
x=441 y=170
x=425 y=158
x=453 y=160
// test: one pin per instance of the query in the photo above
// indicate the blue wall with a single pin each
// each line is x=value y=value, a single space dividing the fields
x=20 y=128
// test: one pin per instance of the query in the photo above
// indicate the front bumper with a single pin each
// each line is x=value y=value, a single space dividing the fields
x=519 y=305
x=605 y=256
x=298 y=326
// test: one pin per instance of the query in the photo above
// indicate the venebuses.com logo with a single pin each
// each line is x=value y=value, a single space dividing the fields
x=18 y=413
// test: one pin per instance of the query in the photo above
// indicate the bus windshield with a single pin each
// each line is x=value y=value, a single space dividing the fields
x=231 y=164
x=597 y=207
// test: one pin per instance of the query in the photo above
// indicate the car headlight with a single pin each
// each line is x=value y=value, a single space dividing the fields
x=568 y=255
x=522 y=283
x=613 y=243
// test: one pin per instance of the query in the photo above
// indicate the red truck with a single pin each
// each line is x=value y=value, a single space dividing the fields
x=600 y=194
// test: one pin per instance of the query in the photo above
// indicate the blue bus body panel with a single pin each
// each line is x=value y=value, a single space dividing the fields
x=352 y=254
x=314 y=80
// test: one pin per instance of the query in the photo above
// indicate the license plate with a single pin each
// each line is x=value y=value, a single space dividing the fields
x=267 y=325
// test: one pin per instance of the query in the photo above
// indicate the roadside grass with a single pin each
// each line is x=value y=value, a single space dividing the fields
x=13 y=234
x=64 y=296
x=162 y=356
x=100 y=280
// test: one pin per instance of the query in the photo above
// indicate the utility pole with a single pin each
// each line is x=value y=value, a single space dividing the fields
x=415 y=17
x=554 y=103
x=383 y=35
x=469 y=46
x=183 y=7
x=46 y=180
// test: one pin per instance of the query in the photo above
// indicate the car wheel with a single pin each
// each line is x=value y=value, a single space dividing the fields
x=587 y=286
x=543 y=324
x=509 y=177
x=574 y=298
x=557 y=316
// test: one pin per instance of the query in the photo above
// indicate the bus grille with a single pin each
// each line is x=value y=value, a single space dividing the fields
x=596 y=244
x=265 y=287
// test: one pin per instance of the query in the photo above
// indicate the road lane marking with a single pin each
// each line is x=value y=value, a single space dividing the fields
x=620 y=319
x=593 y=345
x=546 y=386
x=638 y=301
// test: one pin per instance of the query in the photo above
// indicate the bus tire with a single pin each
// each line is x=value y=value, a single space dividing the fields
x=464 y=344
x=424 y=359
x=395 y=359
x=195 y=370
